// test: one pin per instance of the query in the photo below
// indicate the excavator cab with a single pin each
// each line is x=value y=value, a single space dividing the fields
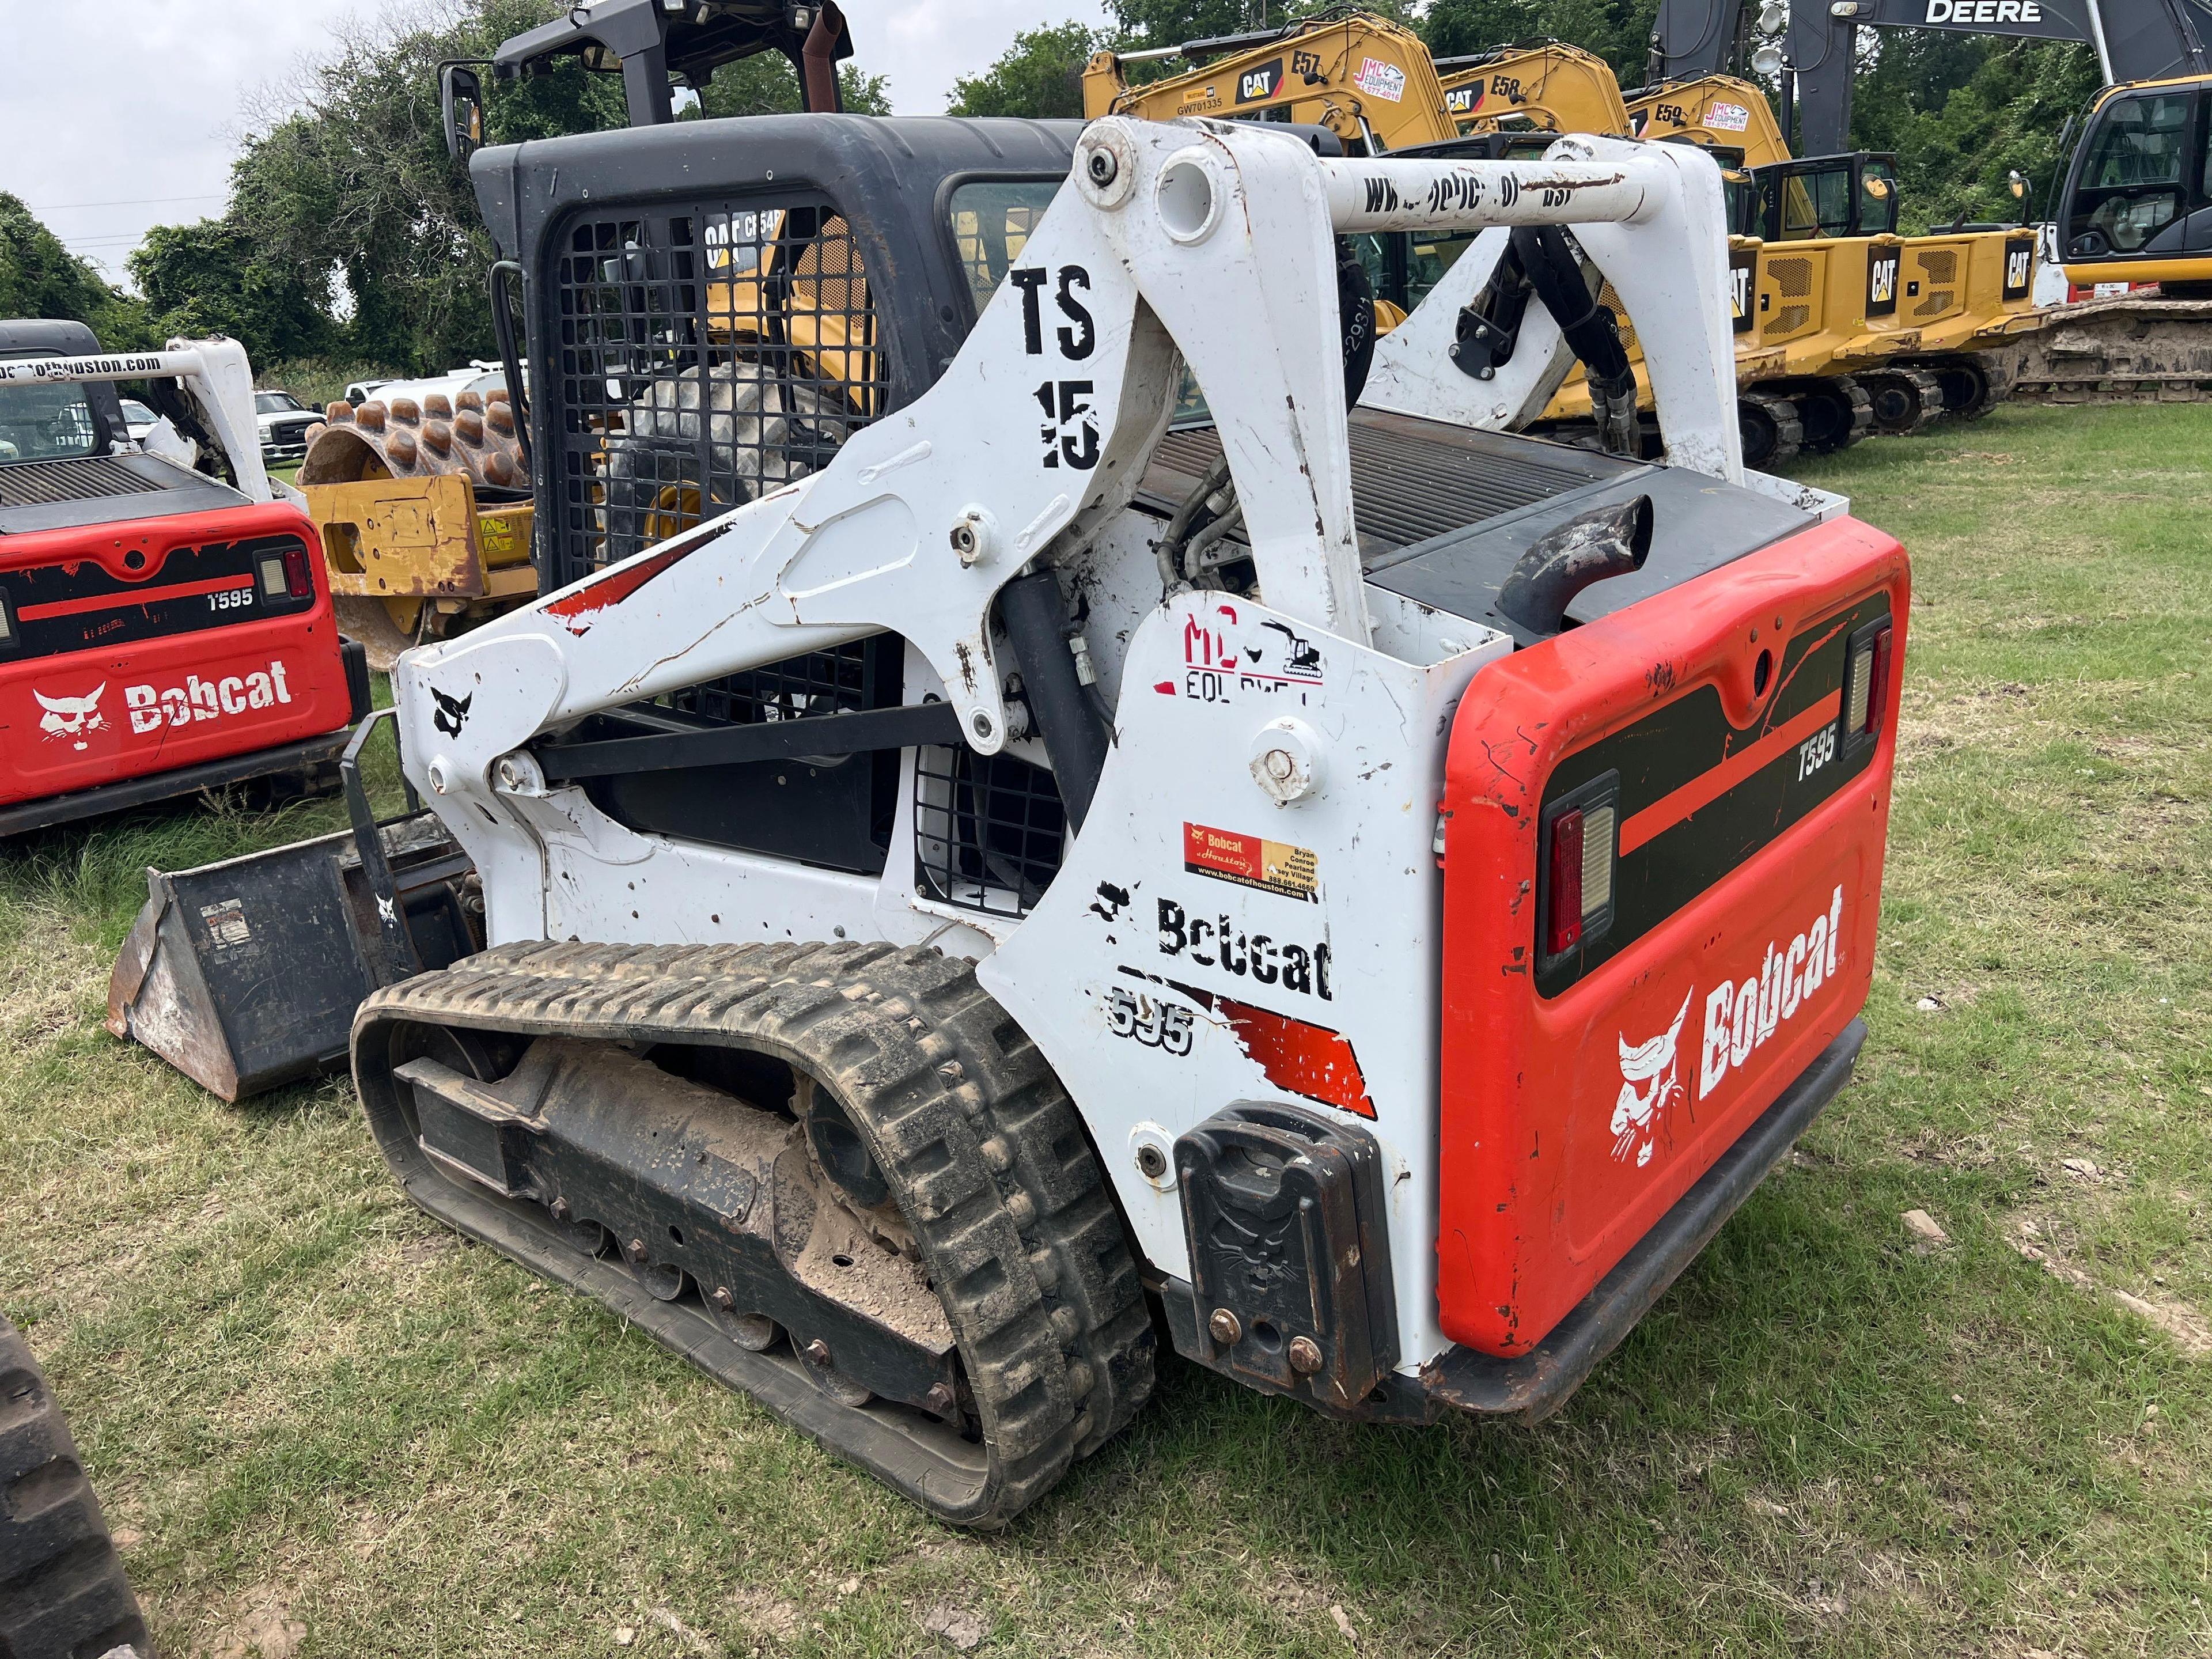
x=1849 y=195
x=2138 y=197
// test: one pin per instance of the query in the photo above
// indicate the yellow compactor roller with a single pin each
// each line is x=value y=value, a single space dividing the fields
x=426 y=516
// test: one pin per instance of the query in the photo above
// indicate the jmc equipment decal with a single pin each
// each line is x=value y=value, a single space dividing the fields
x=1228 y=657
x=1380 y=80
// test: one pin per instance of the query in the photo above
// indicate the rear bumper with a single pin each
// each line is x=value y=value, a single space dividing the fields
x=314 y=756
x=316 y=759
x=1533 y=1385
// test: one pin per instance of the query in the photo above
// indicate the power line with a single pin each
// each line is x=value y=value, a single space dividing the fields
x=141 y=201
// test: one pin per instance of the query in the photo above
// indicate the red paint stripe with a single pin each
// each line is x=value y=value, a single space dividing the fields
x=126 y=601
x=1308 y=1059
x=576 y=608
x=1707 y=788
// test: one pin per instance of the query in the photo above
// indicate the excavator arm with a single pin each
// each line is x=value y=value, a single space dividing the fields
x=1363 y=78
x=1545 y=87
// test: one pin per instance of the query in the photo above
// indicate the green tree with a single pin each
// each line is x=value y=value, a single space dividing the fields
x=766 y=84
x=1961 y=114
x=1619 y=31
x=1040 y=76
x=40 y=277
x=208 y=278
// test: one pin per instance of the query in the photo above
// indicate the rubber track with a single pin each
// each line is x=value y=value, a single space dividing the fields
x=992 y=1162
x=1862 y=413
x=1788 y=430
x=62 y=1594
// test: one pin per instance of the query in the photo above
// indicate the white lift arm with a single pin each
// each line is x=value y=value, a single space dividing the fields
x=1209 y=243
x=1668 y=259
x=216 y=375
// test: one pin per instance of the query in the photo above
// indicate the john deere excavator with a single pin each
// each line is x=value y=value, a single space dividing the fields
x=1023 y=862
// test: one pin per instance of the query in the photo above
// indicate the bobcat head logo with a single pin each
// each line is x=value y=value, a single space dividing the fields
x=72 y=717
x=453 y=712
x=1639 y=1114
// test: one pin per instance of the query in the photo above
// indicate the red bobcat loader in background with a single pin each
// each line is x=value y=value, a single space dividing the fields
x=162 y=630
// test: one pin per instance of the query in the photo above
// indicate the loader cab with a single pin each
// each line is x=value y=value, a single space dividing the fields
x=40 y=421
x=2139 y=194
x=692 y=346
x=1849 y=195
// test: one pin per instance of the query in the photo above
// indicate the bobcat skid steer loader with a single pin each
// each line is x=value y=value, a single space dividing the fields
x=163 y=631
x=1325 y=882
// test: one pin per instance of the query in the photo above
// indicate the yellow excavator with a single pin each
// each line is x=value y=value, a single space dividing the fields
x=1367 y=80
x=1546 y=86
x=1845 y=325
x=2130 y=209
x=1364 y=79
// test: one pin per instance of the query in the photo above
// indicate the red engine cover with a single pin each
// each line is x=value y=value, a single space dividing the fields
x=1584 y=1095
x=145 y=646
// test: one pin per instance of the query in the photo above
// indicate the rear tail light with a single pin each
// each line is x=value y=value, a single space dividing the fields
x=6 y=625
x=1570 y=858
x=298 y=580
x=273 y=584
x=1581 y=846
x=1866 y=682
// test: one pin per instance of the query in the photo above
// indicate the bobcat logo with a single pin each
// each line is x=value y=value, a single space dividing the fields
x=1639 y=1114
x=453 y=712
x=1261 y=1249
x=72 y=717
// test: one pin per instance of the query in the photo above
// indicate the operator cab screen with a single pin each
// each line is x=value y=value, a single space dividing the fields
x=41 y=422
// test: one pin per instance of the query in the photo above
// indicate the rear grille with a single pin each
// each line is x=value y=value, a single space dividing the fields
x=1939 y=270
x=1793 y=280
x=1407 y=487
x=47 y=484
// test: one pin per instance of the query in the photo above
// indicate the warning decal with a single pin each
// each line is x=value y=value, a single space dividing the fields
x=1274 y=867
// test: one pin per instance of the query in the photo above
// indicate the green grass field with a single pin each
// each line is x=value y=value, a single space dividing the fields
x=322 y=1425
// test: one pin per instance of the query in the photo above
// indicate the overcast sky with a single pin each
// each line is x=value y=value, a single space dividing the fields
x=120 y=114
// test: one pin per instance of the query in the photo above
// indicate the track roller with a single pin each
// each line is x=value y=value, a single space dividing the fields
x=1771 y=429
x=836 y=1176
x=1969 y=389
x=1836 y=413
x=1903 y=400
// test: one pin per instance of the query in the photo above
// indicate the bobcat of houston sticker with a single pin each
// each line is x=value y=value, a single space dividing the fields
x=1273 y=866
